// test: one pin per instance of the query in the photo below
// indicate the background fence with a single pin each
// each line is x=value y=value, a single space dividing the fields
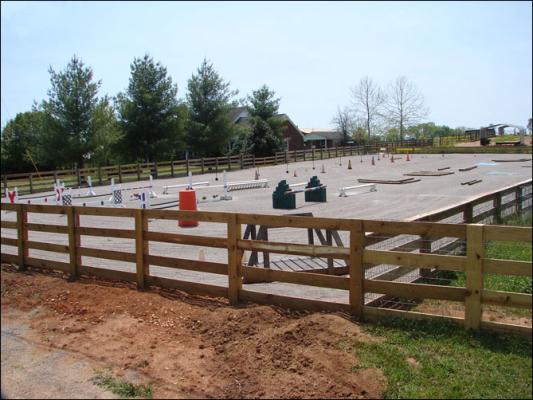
x=358 y=291
x=44 y=180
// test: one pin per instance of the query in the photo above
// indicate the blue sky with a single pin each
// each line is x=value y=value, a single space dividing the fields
x=472 y=61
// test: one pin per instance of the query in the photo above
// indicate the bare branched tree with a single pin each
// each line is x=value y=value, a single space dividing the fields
x=344 y=122
x=368 y=99
x=405 y=104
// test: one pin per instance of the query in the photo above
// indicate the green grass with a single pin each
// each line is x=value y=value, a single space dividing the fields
x=452 y=362
x=468 y=150
x=517 y=251
x=121 y=387
x=506 y=138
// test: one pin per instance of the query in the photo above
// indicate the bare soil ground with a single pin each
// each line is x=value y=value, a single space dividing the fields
x=183 y=346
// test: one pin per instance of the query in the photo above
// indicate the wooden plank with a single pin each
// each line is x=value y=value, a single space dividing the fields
x=189 y=287
x=234 y=260
x=510 y=299
x=107 y=211
x=296 y=249
x=357 y=270
x=9 y=258
x=58 y=248
x=47 y=228
x=174 y=215
x=106 y=232
x=72 y=223
x=430 y=229
x=376 y=314
x=508 y=233
x=178 y=238
x=110 y=274
x=300 y=278
x=415 y=290
x=279 y=221
x=139 y=248
x=292 y=303
x=46 y=209
x=506 y=267
x=8 y=224
x=474 y=275
x=448 y=263
x=48 y=264
x=190 y=265
x=524 y=331
x=9 y=241
x=107 y=254
x=8 y=207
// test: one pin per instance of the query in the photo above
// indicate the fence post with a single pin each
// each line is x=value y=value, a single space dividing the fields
x=474 y=275
x=119 y=173
x=356 y=270
x=30 y=177
x=234 y=260
x=138 y=171
x=78 y=176
x=498 y=208
x=253 y=159
x=139 y=247
x=73 y=221
x=216 y=165
x=305 y=151
x=4 y=178
x=321 y=153
x=468 y=213
x=518 y=195
x=172 y=168
x=100 y=175
x=187 y=167
x=286 y=157
x=156 y=172
x=295 y=155
x=425 y=248
x=229 y=163
x=202 y=165
x=22 y=235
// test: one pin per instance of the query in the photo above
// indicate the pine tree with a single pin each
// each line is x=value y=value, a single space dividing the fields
x=209 y=128
x=68 y=114
x=266 y=137
x=151 y=118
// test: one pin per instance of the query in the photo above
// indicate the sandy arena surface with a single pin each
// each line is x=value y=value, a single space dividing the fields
x=392 y=202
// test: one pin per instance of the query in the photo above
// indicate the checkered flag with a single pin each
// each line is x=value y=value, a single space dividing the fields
x=117 y=196
x=67 y=199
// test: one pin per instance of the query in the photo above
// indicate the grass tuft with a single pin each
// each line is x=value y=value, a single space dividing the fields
x=121 y=387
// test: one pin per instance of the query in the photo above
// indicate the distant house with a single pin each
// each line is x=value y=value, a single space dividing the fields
x=322 y=138
x=292 y=136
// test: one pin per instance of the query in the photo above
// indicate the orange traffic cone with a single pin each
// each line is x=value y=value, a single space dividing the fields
x=349 y=164
x=373 y=162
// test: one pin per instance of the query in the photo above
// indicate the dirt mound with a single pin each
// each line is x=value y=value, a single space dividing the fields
x=195 y=346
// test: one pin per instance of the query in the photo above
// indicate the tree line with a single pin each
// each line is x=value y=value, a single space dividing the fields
x=75 y=126
x=392 y=113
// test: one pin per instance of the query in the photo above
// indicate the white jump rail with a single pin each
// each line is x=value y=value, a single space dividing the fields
x=343 y=191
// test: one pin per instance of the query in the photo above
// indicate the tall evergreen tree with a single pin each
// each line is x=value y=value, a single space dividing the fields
x=266 y=137
x=209 y=128
x=150 y=115
x=68 y=112
x=107 y=135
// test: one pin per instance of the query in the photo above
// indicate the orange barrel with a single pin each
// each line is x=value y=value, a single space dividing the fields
x=187 y=203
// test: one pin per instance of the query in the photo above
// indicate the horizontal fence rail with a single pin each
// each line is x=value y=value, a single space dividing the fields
x=358 y=255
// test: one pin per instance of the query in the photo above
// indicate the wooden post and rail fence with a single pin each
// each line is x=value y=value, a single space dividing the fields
x=43 y=181
x=357 y=256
